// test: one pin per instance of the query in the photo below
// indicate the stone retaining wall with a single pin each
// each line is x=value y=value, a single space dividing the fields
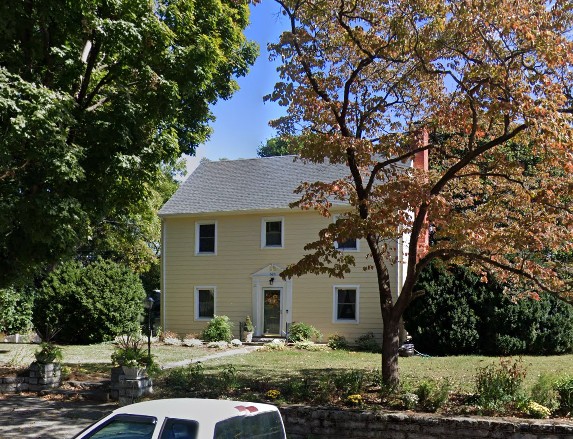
x=318 y=423
x=127 y=391
x=40 y=377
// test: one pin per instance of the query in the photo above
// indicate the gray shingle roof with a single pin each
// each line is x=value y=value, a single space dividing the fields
x=246 y=184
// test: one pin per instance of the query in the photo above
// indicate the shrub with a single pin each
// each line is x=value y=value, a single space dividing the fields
x=228 y=379
x=432 y=394
x=409 y=400
x=300 y=331
x=349 y=382
x=219 y=328
x=88 y=304
x=564 y=388
x=337 y=342
x=460 y=314
x=368 y=343
x=499 y=385
x=544 y=392
x=16 y=307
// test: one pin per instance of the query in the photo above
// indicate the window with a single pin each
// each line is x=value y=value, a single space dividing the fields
x=179 y=429
x=125 y=426
x=346 y=304
x=350 y=244
x=272 y=233
x=260 y=426
x=206 y=238
x=204 y=303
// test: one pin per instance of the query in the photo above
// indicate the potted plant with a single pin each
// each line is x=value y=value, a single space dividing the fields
x=46 y=371
x=48 y=353
x=130 y=356
x=249 y=330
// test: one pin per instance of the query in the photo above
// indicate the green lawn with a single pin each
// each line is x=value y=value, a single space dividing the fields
x=282 y=365
x=15 y=355
x=460 y=370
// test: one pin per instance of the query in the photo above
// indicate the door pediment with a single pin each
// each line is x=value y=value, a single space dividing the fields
x=270 y=270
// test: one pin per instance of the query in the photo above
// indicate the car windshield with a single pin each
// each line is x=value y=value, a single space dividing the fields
x=125 y=427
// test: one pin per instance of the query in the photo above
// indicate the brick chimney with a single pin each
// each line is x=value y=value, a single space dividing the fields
x=421 y=138
x=420 y=161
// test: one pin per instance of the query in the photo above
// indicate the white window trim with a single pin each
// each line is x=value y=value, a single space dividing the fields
x=264 y=221
x=335 y=289
x=200 y=223
x=350 y=250
x=196 y=301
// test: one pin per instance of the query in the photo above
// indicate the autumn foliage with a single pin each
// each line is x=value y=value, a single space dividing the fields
x=490 y=82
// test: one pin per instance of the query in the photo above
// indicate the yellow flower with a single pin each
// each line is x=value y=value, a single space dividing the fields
x=273 y=394
x=354 y=399
x=537 y=410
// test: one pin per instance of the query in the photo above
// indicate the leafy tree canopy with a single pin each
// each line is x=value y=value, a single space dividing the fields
x=365 y=81
x=276 y=146
x=97 y=98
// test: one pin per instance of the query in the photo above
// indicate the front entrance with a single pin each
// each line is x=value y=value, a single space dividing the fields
x=272 y=302
x=272 y=311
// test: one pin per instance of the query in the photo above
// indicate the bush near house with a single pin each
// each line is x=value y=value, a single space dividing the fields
x=300 y=331
x=460 y=314
x=219 y=328
x=84 y=304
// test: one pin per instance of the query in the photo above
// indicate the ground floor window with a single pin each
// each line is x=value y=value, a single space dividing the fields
x=204 y=303
x=346 y=303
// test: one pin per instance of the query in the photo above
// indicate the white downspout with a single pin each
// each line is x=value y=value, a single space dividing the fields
x=163 y=280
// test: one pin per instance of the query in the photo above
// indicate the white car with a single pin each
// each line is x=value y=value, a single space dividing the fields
x=188 y=418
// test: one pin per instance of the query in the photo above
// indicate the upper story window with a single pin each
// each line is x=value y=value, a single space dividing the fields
x=350 y=244
x=346 y=304
x=206 y=238
x=272 y=233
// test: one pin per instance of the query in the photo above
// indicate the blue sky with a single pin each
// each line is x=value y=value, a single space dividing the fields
x=242 y=121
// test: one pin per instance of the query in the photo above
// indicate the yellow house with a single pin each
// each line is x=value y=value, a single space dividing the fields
x=228 y=232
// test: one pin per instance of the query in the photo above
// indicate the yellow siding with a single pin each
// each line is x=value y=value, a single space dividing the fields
x=239 y=255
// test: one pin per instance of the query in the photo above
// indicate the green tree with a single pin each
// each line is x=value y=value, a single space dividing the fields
x=16 y=307
x=96 y=97
x=276 y=146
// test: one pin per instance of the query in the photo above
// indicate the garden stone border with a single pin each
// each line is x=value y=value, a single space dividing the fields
x=303 y=422
x=40 y=377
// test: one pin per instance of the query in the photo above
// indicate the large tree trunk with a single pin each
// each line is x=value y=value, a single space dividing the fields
x=390 y=346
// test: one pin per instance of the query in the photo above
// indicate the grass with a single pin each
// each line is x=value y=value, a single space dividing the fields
x=298 y=375
x=460 y=370
x=18 y=355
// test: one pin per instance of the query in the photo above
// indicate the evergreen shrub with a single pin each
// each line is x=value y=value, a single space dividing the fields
x=459 y=314
x=85 y=304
